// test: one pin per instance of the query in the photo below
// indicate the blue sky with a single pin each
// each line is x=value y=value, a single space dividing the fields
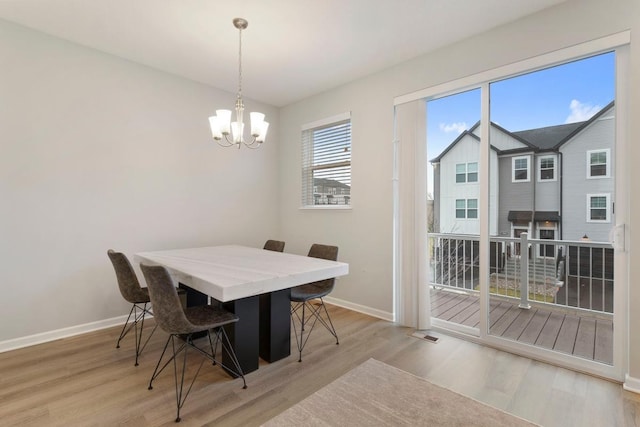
x=566 y=93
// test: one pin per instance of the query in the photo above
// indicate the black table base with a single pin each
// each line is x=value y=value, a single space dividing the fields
x=263 y=331
x=275 y=325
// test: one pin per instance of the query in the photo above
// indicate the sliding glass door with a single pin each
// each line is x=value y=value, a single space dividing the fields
x=526 y=208
x=554 y=133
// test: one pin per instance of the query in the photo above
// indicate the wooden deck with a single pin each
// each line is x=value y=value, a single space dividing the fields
x=582 y=335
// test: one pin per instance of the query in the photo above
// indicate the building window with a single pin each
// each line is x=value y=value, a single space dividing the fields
x=461 y=172
x=472 y=208
x=547 y=168
x=326 y=161
x=598 y=164
x=472 y=172
x=598 y=207
x=466 y=208
x=467 y=172
x=520 y=169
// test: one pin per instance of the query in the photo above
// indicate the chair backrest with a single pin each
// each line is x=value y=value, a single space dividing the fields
x=324 y=252
x=127 y=279
x=274 y=245
x=167 y=309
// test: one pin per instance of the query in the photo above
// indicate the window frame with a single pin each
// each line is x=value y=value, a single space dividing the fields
x=463 y=174
x=513 y=169
x=466 y=208
x=309 y=198
x=463 y=208
x=555 y=168
x=475 y=172
x=607 y=152
x=607 y=208
x=475 y=209
x=466 y=173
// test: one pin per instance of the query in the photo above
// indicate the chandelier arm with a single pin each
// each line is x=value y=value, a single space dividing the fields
x=253 y=144
x=226 y=142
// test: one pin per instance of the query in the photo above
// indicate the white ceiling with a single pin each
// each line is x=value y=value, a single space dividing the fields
x=292 y=48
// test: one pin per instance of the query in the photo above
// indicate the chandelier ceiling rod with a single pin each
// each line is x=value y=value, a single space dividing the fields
x=230 y=134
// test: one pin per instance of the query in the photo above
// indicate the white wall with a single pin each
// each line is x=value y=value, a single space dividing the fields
x=364 y=234
x=97 y=153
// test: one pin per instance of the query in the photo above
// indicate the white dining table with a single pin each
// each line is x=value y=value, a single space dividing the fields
x=254 y=283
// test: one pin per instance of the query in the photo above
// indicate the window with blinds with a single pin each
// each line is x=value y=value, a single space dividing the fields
x=326 y=162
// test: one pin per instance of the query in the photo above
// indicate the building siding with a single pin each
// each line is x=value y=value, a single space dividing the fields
x=514 y=196
x=576 y=185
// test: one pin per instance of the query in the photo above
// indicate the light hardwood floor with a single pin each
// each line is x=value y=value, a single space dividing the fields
x=86 y=381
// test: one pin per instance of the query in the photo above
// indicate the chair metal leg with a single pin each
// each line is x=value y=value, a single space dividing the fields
x=329 y=325
x=223 y=338
x=124 y=328
x=304 y=320
x=185 y=343
x=138 y=314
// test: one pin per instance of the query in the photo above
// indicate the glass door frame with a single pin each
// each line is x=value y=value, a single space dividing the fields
x=620 y=44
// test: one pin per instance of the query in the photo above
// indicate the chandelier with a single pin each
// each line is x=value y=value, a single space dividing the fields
x=228 y=133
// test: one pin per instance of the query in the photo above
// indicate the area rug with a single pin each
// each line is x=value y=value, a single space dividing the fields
x=376 y=394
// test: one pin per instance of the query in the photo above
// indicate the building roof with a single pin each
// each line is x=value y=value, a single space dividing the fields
x=551 y=216
x=326 y=182
x=520 y=216
x=549 y=138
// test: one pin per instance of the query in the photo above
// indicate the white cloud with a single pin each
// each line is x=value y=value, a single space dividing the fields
x=453 y=127
x=581 y=112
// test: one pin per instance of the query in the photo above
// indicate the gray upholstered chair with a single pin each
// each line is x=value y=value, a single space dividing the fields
x=181 y=324
x=274 y=245
x=135 y=294
x=303 y=313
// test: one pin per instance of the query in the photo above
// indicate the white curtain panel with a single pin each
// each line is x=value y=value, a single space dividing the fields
x=412 y=300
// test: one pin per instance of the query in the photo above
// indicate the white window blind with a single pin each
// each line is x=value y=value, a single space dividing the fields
x=326 y=162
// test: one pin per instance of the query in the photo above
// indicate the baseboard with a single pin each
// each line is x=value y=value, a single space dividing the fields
x=384 y=315
x=16 y=343
x=631 y=384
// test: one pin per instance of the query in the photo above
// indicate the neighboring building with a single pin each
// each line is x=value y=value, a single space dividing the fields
x=553 y=183
x=330 y=192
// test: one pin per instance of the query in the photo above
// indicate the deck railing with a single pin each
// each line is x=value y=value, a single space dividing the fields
x=575 y=274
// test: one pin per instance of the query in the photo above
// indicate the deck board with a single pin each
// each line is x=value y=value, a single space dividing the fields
x=463 y=315
x=497 y=312
x=439 y=298
x=567 y=335
x=519 y=324
x=604 y=341
x=502 y=324
x=442 y=303
x=444 y=310
x=586 y=338
x=550 y=331
x=534 y=328
x=580 y=335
